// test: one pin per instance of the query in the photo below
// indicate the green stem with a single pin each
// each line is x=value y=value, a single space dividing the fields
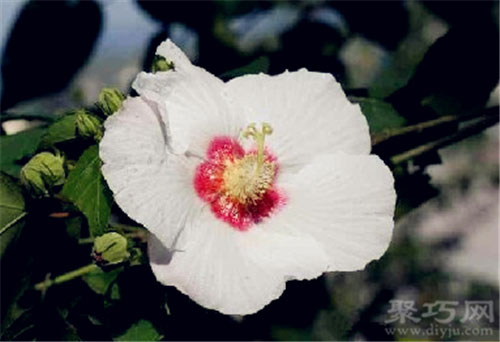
x=86 y=240
x=125 y=227
x=66 y=277
x=423 y=126
x=139 y=233
x=473 y=129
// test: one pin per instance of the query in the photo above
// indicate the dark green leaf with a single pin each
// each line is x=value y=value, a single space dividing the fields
x=20 y=328
x=413 y=190
x=62 y=130
x=86 y=188
x=261 y=64
x=136 y=257
x=140 y=331
x=11 y=203
x=282 y=333
x=437 y=86
x=13 y=253
x=100 y=281
x=48 y=117
x=11 y=218
x=73 y=227
x=10 y=237
x=374 y=26
x=400 y=67
x=380 y=115
x=14 y=148
x=115 y=293
x=39 y=27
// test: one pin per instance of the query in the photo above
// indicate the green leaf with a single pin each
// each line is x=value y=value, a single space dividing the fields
x=282 y=333
x=140 y=331
x=261 y=64
x=14 y=148
x=114 y=292
x=22 y=325
x=73 y=227
x=100 y=281
x=15 y=257
x=62 y=130
x=379 y=114
x=11 y=203
x=48 y=117
x=86 y=188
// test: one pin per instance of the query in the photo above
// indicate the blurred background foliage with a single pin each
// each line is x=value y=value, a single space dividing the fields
x=425 y=73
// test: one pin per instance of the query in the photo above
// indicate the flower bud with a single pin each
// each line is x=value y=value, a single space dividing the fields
x=88 y=126
x=109 y=249
x=110 y=100
x=42 y=173
x=161 y=64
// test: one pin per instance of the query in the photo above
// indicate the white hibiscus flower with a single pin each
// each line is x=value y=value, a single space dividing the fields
x=247 y=184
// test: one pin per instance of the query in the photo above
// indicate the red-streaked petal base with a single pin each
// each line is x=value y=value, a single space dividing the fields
x=209 y=185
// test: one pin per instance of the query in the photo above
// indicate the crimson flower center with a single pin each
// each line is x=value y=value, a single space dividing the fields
x=239 y=185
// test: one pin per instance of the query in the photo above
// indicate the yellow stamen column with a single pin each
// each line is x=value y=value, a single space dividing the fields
x=247 y=179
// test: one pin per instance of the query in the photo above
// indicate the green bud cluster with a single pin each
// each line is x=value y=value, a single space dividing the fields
x=88 y=125
x=110 y=100
x=43 y=172
x=161 y=64
x=109 y=249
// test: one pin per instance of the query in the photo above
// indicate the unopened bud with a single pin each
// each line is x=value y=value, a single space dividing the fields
x=161 y=64
x=88 y=126
x=109 y=249
x=43 y=172
x=110 y=100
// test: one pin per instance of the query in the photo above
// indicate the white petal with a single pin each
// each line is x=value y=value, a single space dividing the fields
x=309 y=112
x=346 y=202
x=231 y=271
x=157 y=86
x=191 y=101
x=151 y=186
x=172 y=53
x=198 y=111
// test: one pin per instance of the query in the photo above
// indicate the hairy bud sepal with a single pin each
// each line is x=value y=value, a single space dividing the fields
x=110 y=101
x=88 y=126
x=110 y=249
x=42 y=173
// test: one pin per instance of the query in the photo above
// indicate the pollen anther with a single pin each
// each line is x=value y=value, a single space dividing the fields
x=247 y=179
